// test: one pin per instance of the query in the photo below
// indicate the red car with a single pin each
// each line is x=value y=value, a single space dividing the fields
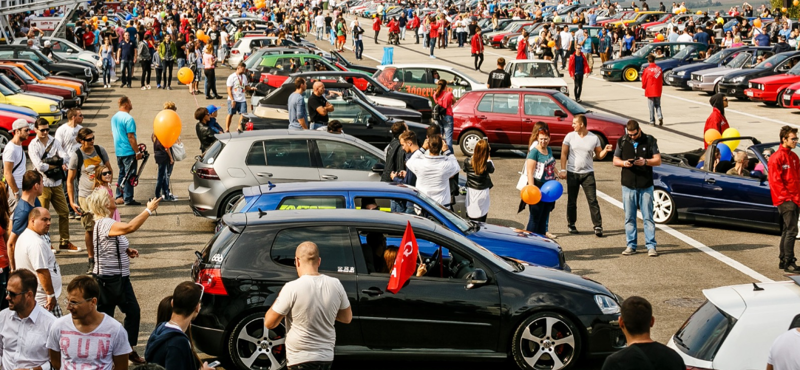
x=770 y=89
x=791 y=96
x=497 y=39
x=664 y=18
x=6 y=120
x=506 y=118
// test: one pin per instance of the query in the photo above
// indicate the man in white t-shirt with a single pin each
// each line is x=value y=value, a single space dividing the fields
x=784 y=354
x=566 y=40
x=86 y=338
x=237 y=100
x=577 y=166
x=311 y=305
x=32 y=251
x=319 y=26
x=14 y=157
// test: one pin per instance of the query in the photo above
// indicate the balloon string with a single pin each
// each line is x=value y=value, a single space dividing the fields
x=197 y=105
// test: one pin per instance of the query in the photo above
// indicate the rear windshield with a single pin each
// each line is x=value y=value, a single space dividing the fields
x=211 y=154
x=219 y=245
x=704 y=332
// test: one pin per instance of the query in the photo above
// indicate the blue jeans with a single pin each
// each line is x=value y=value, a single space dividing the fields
x=316 y=125
x=107 y=76
x=398 y=206
x=320 y=33
x=127 y=168
x=432 y=43
x=639 y=200
x=654 y=104
x=181 y=63
x=162 y=181
x=127 y=72
x=462 y=37
x=359 y=48
x=447 y=130
x=539 y=217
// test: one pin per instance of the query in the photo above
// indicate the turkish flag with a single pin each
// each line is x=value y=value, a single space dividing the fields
x=405 y=265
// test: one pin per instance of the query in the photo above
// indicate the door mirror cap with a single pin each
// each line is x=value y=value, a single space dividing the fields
x=378 y=167
x=477 y=277
x=559 y=113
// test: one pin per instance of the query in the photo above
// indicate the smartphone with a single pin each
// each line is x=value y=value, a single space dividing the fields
x=214 y=364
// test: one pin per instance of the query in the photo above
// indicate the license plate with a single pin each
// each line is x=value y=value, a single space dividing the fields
x=749 y=93
x=670 y=79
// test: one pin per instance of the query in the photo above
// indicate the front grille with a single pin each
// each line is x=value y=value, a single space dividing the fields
x=795 y=103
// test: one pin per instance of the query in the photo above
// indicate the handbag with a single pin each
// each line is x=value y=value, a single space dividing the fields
x=178 y=152
x=112 y=290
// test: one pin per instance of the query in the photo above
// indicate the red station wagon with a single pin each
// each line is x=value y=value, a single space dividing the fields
x=506 y=118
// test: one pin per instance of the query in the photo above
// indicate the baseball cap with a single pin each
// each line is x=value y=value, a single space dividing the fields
x=20 y=124
x=212 y=109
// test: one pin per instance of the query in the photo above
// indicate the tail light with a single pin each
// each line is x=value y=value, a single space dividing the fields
x=248 y=126
x=264 y=78
x=207 y=174
x=234 y=51
x=211 y=280
x=244 y=58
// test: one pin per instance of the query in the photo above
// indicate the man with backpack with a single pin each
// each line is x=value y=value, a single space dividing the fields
x=82 y=165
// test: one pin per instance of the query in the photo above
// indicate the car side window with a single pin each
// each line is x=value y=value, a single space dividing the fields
x=287 y=153
x=333 y=243
x=256 y=156
x=415 y=75
x=27 y=54
x=316 y=202
x=506 y=103
x=56 y=46
x=7 y=54
x=539 y=105
x=343 y=156
x=486 y=103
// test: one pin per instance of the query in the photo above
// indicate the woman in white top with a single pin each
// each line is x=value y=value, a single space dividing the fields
x=478 y=169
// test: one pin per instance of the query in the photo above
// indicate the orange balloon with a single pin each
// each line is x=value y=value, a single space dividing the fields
x=796 y=2
x=200 y=34
x=185 y=75
x=531 y=194
x=204 y=38
x=167 y=127
x=757 y=23
x=711 y=134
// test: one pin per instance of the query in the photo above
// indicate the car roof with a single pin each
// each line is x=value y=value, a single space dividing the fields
x=274 y=133
x=418 y=65
x=529 y=60
x=312 y=187
x=356 y=217
x=517 y=90
x=306 y=55
x=330 y=73
x=736 y=299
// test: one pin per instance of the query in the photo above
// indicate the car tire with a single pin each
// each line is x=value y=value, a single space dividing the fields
x=630 y=74
x=532 y=349
x=468 y=140
x=664 y=209
x=228 y=203
x=664 y=76
x=252 y=346
x=5 y=137
x=779 y=99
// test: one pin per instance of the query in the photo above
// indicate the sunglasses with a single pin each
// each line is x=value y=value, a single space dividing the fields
x=44 y=130
x=89 y=139
x=633 y=134
x=13 y=295
x=106 y=173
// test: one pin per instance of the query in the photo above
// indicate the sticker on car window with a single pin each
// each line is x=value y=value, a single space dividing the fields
x=346 y=269
x=217 y=258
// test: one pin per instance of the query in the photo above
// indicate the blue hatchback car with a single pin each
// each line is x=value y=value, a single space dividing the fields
x=501 y=240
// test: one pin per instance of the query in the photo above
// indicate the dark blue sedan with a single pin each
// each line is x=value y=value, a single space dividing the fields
x=688 y=55
x=682 y=190
x=501 y=240
x=681 y=75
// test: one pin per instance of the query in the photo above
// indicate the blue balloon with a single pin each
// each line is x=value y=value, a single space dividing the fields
x=128 y=17
x=724 y=152
x=551 y=191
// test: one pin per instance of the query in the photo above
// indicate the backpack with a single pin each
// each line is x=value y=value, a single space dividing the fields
x=80 y=154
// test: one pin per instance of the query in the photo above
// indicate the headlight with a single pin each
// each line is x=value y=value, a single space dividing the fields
x=607 y=305
x=87 y=72
x=750 y=85
x=53 y=108
x=429 y=104
x=679 y=74
x=736 y=80
x=564 y=89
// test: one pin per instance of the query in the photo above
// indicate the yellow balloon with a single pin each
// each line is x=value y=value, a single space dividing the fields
x=783 y=10
x=699 y=12
x=729 y=133
x=796 y=2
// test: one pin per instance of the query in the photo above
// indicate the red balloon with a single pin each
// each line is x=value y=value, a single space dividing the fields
x=167 y=127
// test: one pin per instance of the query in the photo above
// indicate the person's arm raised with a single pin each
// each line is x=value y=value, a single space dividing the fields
x=124 y=228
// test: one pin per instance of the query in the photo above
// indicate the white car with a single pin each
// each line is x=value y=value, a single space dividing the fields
x=246 y=45
x=66 y=49
x=736 y=327
x=421 y=79
x=535 y=73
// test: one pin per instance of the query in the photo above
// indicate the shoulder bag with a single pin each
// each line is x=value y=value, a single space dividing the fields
x=55 y=173
x=112 y=290
x=178 y=152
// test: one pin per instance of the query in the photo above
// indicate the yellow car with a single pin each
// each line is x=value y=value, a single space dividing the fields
x=639 y=18
x=46 y=108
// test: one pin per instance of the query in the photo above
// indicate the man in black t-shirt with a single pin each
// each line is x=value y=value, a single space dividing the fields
x=318 y=107
x=213 y=34
x=328 y=20
x=499 y=78
x=642 y=352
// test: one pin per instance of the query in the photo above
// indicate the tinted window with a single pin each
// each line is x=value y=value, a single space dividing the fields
x=486 y=103
x=256 y=155
x=211 y=153
x=342 y=156
x=287 y=153
x=218 y=246
x=500 y=103
x=415 y=76
x=703 y=333
x=7 y=54
x=333 y=242
x=332 y=202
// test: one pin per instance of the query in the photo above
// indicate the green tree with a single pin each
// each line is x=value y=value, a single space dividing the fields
x=793 y=11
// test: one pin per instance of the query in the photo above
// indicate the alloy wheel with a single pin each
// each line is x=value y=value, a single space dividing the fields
x=257 y=348
x=663 y=207
x=3 y=142
x=630 y=74
x=469 y=142
x=548 y=342
x=231 y=202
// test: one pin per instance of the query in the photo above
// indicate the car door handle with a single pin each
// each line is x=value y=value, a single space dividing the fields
x=372 y=291
x=329 y=177
x=527 y=120
x=711 y=181
x=481 y=117
x=264 y=174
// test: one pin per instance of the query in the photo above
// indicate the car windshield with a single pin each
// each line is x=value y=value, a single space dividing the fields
x=773 y=61
x=716 y=57
x=739 y=61
x=664 y=17
x=5 y=91
x=644 y=51
x=460 y=223
x=630 y=16
x=24 y=76
x=10 y=84
x=795 y=71
x=35 y=74
x=41 y=56
x=533 y=69
x=38 y=69
x=571 y=105
x=704 y=332
x=685 y=52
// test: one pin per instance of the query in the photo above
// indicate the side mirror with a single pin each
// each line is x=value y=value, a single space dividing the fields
x=477 y=277
x=371 y=122
x=559 y=113
x=378 y=167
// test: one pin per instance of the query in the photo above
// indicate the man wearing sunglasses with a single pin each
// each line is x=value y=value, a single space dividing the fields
x=47 y=156
x=24 y=324
x=784 y=185
x=637 y=153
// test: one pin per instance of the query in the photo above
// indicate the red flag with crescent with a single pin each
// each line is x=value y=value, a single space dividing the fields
x=405 y=265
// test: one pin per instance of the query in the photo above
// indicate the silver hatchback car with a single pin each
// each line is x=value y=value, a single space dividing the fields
x=239 y=160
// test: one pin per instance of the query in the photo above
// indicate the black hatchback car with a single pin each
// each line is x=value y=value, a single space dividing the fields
x=734 y=83
x=479 y=305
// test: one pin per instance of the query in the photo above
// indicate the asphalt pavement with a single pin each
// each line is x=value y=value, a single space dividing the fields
x=692 y=257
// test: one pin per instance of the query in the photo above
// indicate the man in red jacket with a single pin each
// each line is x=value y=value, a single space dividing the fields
x=652 y=82
x=578 y=66
x=376 y=26
x=784 y=184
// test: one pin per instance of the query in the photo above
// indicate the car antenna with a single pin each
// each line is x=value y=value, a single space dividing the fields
x=263 y=213
x=756 y=288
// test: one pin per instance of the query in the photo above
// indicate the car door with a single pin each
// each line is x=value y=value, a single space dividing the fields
x=417 y=81
x=340 y=161
x=435 y=311
x=541 y=107
x=733 y=196
x=457 y=83
x=498 y=116
x=281 y=160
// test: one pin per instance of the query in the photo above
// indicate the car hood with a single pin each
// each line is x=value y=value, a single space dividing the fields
x=745 y=72
x=719 y=71
x=605 y=117
x=401 y=113
x=776 y=79
x=558 y=277
x=40 y=105
x=54 y=98
x=695 y=67
x=619 y=63
x=511 y=238
x=537 y=82
x=20 y=110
